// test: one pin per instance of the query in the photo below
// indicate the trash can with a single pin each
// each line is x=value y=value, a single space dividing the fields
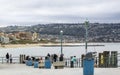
x=106 y=55
x=47 y=63
x=88 y=64
x=114 y=59
x=29 y=63
x=36 y=64
x=101 y=60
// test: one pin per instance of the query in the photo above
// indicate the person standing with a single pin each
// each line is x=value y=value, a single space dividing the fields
x=10 y=58
x=72 y=62
x=48 y=55
x=7 y=57
x=74 y=59
x=55 y=57
x=61 y=57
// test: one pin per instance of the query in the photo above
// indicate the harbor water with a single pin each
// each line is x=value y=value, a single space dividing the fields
x=74 y=50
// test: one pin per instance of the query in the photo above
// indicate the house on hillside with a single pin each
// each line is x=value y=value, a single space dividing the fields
x=4 y=40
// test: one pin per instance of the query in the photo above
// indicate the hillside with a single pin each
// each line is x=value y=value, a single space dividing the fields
x=97 y=32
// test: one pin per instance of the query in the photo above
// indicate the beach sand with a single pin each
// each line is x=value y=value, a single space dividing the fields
x=34 y=45
x=48 y=45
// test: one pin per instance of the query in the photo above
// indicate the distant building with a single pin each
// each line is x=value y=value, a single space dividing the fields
x=2 y=34
x=4 y=39
x=35 y=36
x=12 y=36
x=24 y=35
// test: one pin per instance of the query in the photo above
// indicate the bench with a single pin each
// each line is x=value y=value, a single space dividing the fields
x=41 y=65
x=59 y=64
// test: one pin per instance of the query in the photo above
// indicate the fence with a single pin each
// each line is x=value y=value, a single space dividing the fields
x=109 y=61
x=14 y=60
x=76 y=64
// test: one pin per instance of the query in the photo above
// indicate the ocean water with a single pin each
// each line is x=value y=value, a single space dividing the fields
x=67 y=51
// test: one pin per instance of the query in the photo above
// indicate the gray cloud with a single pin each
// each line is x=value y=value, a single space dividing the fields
x=26 y=12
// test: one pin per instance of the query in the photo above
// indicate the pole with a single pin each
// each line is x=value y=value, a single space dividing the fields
x=86 y=35
x=61 y=34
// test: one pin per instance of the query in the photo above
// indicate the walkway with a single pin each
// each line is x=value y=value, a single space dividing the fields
x=22 y=69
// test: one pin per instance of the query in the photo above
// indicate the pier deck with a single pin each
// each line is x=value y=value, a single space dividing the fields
x=22 y=69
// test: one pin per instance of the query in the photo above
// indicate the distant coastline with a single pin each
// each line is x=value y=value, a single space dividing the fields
x=68 y=45
x=47 y=45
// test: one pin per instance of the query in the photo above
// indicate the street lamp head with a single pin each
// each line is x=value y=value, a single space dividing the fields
x=86 y=22
x=61 y=31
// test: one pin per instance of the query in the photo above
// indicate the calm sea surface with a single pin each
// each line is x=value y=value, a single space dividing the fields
x=68 y=51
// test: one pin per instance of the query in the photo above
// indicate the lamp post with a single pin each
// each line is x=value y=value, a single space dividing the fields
x=86 y=34
x=61 y=34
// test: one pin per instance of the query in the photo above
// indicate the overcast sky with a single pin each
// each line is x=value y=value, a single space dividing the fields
x=30 y=12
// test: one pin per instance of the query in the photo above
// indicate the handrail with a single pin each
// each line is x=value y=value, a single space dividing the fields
x=78 y=63
x=14 y=60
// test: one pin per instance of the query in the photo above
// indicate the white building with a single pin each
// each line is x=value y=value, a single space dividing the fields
x=4 y=39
